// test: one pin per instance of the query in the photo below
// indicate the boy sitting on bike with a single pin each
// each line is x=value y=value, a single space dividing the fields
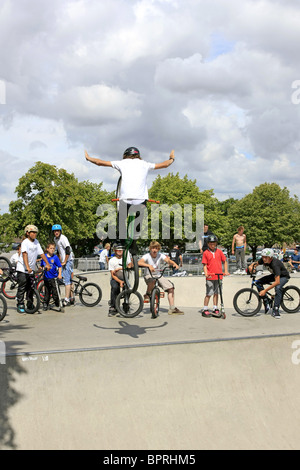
x=117 y=279
x=278 y=278
x=153 y=261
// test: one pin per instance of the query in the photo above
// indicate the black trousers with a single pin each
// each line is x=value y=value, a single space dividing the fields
x=50 y=288
x=114 y=292
x=24 y=287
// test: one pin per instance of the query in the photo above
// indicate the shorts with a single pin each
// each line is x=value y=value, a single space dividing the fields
x=164 y=283
x=67 y=272
x=212 y=287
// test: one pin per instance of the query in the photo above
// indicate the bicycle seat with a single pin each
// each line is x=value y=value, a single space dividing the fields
x=82 y=278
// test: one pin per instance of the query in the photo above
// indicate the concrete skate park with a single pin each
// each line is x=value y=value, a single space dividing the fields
x=83 y=380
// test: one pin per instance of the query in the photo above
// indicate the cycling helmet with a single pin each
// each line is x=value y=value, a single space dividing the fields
x=267 y=252
x=131 y=152
x=212 y=239
x=118 y=246
x=31 y=228
x=56 y=227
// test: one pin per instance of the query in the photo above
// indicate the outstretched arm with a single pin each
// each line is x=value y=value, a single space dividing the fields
x=96 y=161
x=166 y=163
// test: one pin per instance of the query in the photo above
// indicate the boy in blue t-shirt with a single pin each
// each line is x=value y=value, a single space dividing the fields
x=51 y=275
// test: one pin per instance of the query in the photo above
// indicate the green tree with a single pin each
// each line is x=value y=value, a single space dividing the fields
x=48 y=195
x=269 y=214
x=174 y=190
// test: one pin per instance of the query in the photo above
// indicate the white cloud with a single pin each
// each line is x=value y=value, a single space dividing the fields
x=211 y=79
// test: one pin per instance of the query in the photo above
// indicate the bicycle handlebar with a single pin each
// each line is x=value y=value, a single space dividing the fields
x=160 y=270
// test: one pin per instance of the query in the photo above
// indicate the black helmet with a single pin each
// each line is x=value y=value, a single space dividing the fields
x=212 y=239
x=132 y=152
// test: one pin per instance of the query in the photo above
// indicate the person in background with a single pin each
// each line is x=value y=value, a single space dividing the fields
x=103 y=259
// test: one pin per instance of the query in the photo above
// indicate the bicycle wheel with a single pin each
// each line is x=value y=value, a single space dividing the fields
x=131 y=275
x=154 y=302
x=34 y=305
x=90 y=294
x=3 y=307
x=129 y=304
x=9 y=289
x=290 y=302
x=247 y=302
x=6 y=268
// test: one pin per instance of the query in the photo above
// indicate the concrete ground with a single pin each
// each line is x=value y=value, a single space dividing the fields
x=83 y=380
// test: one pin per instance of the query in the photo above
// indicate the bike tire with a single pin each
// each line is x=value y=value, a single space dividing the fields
x=131 y=275
x=290 y=301
x=90 y=294
x=3 y=307
x=129 y=304
x=36 y=302
x=154 y=302
x=247 y=302
x=10 y=292
x=6 y=267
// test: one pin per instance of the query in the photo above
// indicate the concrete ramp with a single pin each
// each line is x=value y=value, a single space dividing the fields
x=218 y=394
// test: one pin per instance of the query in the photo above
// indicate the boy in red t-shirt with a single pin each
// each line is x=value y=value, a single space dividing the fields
x=212 y=261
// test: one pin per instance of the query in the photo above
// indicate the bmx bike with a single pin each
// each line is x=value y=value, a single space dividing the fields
x=247 y=302
x=89 y=293
x=156 y=293
x=130 y=270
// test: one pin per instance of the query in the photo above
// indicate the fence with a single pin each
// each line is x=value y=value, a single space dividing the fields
x=191 y=264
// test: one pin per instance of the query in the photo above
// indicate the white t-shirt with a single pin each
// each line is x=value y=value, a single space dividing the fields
x=61 y=244
x=103 y=255
x=155 y=262
x=115 y=262
x=134 y=179
x=33 y=250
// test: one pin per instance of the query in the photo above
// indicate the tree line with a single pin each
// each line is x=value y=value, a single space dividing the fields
x=47 y=195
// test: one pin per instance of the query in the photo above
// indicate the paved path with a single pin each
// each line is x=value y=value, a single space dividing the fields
x=83 y=380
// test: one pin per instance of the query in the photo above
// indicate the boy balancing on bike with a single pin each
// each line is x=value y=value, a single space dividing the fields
x=278 y=278
x=134 y=191
x=153 y=260
x=212 y=261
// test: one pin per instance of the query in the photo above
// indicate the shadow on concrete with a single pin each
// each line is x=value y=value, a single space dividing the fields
x=134 y=331
x=9 y=369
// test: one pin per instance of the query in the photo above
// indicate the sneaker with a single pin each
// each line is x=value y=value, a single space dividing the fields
x=146 y=298
x=66 y=303
x=175 y=311
x=206 y=313
x=244 y=272
x=275 y=313
x=268 y=309
x=112 y=311
x=216 y=311
x=237 y=271
x=21 y=309
x=72 y=301
x=45 y=306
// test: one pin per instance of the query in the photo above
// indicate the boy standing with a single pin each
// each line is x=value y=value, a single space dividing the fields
x=153 y=260
x=66 y=258
x=51 y=275
x=240 y=242
x=26 y=263
x=212 y=261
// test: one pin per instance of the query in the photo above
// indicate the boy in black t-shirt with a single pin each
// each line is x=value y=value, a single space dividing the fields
x=278 y=278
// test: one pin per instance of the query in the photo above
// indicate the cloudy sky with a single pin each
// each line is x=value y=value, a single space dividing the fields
x=216 y=80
